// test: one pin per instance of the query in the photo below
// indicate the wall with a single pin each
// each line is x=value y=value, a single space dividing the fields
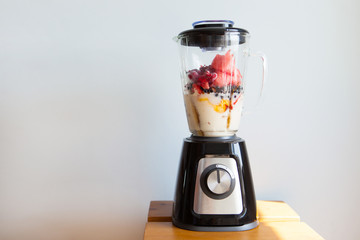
x=92 y=116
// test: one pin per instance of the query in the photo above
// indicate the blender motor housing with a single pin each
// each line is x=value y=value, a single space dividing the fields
x=214 y=190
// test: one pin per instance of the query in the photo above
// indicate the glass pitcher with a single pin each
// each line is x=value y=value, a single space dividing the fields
x=213 y=57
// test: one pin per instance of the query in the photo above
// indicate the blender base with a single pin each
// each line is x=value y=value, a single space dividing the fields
x=214 y=190
x=244 y=227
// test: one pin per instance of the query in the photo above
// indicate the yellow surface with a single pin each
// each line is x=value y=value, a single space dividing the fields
x=265 y=231
x=161 y=211
x=275 y=211
x=277 y=221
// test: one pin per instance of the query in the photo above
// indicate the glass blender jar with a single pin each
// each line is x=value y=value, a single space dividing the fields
x=213 y=61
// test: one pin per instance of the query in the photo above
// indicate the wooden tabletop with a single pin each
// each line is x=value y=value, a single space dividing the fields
x=277 y=221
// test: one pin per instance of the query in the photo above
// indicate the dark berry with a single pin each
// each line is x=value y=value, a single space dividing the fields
x=203 y=77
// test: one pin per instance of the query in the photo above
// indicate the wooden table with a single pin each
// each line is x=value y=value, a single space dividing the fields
x=277 y=221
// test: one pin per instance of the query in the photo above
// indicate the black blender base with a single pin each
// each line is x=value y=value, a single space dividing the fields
x=195 y=206
x=244 y=227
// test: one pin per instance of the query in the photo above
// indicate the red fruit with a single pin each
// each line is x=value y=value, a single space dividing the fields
x=202 y=77
x=205 y=85
x=226 y=70
x=224 y=63
x=197 y=88
x=222 y=79
x=237 y=78
x=213 y=76
x=193 y=75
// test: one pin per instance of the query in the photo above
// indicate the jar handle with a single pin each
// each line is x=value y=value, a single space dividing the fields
x=263 y=58
x=259 y=98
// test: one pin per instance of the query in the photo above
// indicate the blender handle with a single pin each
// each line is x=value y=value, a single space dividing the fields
x=263 y=58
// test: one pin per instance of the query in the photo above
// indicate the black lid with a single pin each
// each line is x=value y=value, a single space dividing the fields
x=211 y=34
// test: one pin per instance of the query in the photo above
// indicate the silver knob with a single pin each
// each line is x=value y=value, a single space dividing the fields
x=217 y=181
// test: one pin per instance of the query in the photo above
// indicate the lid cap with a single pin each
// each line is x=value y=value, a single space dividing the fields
x=213 y=23
x=213 y=35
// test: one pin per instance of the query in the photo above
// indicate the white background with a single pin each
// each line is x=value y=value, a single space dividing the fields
x=92 y=116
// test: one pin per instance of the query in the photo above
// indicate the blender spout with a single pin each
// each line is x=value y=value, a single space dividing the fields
x=176 y=39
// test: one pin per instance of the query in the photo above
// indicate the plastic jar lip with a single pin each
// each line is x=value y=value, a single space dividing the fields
x=213 y=23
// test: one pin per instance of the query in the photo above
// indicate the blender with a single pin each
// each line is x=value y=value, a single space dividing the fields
x=214 y=189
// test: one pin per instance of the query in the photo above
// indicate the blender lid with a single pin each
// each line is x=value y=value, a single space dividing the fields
x=213 y=34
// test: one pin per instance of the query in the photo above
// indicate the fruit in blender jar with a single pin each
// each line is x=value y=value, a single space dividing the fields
x=213 y=97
